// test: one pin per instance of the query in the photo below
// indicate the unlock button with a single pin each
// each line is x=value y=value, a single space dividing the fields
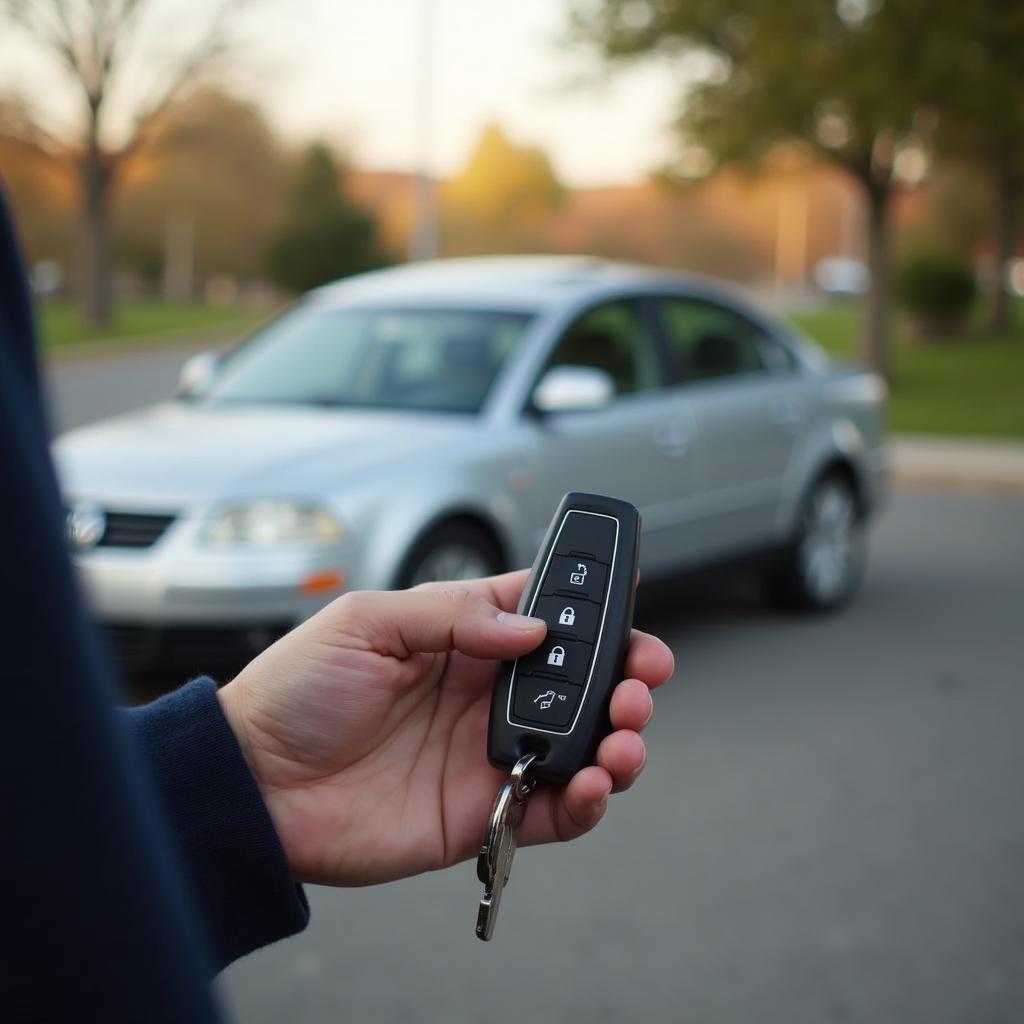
x=576 y=578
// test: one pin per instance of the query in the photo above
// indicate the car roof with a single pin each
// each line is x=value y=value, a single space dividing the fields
x=505 y=282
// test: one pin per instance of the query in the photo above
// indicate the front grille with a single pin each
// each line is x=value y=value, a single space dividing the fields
x=190 y=649
x=134 y=529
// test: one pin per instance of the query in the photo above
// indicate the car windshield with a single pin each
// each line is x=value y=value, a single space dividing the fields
x=439 y=360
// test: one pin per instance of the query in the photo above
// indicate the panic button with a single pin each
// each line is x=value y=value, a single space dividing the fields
x=587 y=536
x=576 y=577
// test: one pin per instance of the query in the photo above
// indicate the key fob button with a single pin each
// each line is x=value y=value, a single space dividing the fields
x=587 y=536
x=545 y=701
x=558 y=658
x=575 y=577
x=570 y=617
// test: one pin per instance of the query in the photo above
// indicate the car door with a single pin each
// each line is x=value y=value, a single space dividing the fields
x=639 y=446
x=743 y=388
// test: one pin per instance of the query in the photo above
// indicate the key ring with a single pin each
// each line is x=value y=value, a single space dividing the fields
x=522 y=784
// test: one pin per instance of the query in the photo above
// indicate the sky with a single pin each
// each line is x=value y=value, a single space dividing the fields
x=351 y=72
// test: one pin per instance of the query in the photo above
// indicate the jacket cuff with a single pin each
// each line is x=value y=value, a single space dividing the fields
x=226 y=839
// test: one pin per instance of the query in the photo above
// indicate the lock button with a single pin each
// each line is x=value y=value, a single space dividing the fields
x=557 y=658
x=569 y=617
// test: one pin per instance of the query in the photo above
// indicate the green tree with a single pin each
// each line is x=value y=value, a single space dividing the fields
x=325 y=236
x=852 y=79
x=502 y=197
x=90 y=43
x=982 y=117
x=215 y=164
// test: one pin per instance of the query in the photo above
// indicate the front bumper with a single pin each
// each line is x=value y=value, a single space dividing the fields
x=189 y=612
x=183 y=652
x=179 y=583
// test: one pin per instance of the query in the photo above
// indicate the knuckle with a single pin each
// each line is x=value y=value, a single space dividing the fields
x=354 y=604
x=459 y=597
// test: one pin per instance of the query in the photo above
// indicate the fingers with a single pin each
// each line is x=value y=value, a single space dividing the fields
x=563 y=814
x=649 y=659
x=503 y=591
x=430 y=620
x=631 y=706
x=623 y=755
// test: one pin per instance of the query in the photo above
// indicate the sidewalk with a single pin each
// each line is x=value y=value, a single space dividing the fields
x=983 y=464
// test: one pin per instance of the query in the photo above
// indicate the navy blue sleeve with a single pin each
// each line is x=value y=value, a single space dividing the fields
x=100 y=919
x=227 y=842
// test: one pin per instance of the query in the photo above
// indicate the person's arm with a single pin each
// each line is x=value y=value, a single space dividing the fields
x=99 y=922
x=229 y=848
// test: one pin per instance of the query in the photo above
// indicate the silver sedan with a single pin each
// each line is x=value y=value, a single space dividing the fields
x=422 y=423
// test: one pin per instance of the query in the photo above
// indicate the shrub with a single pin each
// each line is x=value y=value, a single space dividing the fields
x=937 y=289
x=325 y=236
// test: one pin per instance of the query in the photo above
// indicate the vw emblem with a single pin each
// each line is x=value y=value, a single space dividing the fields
x=85 y=525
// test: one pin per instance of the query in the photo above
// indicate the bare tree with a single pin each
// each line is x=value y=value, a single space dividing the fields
x=92 y=41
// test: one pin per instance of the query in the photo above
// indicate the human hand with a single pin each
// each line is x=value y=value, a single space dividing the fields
x=365 y=729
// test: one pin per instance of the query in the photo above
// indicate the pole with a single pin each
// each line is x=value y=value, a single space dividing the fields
x=423 y=234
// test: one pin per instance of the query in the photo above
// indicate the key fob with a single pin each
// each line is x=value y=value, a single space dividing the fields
x=554 y=701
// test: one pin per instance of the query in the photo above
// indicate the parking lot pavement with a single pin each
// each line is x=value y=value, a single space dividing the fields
x=830 y=829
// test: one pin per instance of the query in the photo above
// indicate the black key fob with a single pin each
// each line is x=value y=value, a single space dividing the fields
x=554 y=701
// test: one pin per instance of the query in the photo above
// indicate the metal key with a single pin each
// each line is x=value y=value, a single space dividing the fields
x=494 y=863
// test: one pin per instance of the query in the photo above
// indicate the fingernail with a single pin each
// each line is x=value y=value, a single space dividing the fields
x=523 y=622
x=650 y=714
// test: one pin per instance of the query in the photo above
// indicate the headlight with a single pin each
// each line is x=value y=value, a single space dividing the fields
x=267 y=521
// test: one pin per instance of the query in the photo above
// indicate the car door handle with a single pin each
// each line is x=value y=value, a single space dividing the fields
x=673 y=438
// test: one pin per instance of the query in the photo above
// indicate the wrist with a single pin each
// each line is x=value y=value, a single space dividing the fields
x=228 y=697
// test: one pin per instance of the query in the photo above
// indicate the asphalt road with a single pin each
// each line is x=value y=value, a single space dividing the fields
x=85 y=389
x=830 y=828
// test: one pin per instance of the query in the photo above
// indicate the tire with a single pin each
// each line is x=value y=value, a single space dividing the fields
x=458 y=549
x=824 y=566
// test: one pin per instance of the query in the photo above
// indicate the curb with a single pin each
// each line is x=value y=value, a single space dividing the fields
x=990 y=466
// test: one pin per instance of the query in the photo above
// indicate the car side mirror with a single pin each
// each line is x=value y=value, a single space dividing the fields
x=573 y=389
x=197 y=374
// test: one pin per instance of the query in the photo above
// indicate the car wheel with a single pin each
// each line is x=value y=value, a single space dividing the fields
x=456 y=550
x=824 y=566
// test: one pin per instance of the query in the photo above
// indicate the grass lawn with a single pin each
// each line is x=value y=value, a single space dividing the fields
x=970 y=386
x=61 y=326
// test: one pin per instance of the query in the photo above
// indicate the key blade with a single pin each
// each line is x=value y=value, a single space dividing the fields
x=487 y=914
x=494 y=867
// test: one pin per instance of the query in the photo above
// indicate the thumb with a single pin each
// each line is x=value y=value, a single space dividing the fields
x=404 y=622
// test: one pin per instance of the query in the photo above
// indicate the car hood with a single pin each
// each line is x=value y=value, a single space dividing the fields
x=173 y=455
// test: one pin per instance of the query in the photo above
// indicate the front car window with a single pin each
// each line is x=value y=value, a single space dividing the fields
x=614 y=338
x=706 y=341
x=440 y=360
